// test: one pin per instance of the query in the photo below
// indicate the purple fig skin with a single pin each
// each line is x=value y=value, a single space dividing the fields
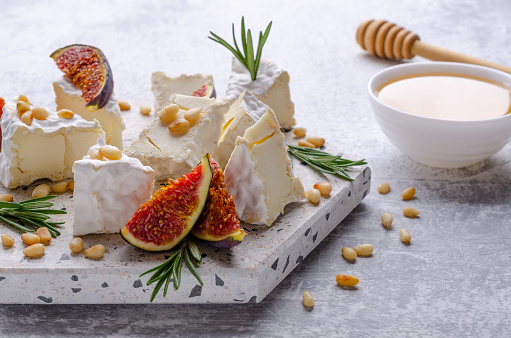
x=224 y=243
x=213 y=93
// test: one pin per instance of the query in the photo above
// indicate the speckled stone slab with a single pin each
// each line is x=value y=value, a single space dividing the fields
x=244 y=274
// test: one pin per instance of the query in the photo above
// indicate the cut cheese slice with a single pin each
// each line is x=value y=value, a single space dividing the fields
x=164 y=86
x=68 y=96
x=242 y=114
x=107 y=193
x=173 y=154
x=259 y=175
x=271 y=87
x=45 y=149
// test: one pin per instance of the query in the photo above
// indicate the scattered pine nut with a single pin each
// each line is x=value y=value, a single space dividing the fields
x=44 y=235
x=96 y=155
x=192 y=115
x=408 y=194
x=76 y=245
x=71 y=186
x=7 y=240
x=179 y=126
x=324 y=188
x=168 y=112
x=410 y=212
x=22 y=107
x=300 y=132
x=145 y=109
x=65 y=114
x=110 y=152
x=6 y=198
x=40 y=113
x=60 y=187
x=349 y=253
x=24 y=99
x=124 y=105
x=308 y=301
x=383 y=188
x=313 y=195
x=96 y=252
x=35 y=250
x=346 y=280
x=364 y=249
x=42 y=190
x=27 y=118
x=30 y=238
x=303 y=143
x=316 y=140
x=405 y=236
x=386 y=220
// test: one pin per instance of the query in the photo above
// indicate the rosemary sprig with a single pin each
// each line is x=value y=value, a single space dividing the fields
x=248 y=60
x=171 y=268
x=324 y=162
x=29 y=214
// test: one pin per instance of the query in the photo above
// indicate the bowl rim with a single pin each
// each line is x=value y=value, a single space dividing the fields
x=445 y=67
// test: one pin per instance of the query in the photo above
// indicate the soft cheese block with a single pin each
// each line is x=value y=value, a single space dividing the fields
x=164 y=86
x=45 y=148
x=243 y=113
x=271 y=87
x=259 y=175
x=108 y=192
x=173 y=154
x=68 y=96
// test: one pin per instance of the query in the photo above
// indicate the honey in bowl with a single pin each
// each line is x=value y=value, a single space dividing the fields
x=447 y=96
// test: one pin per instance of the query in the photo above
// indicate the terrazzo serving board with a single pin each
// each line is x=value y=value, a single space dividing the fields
x=244 y=274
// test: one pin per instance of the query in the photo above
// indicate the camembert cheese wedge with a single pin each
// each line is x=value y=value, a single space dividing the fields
x=271 y=87
x=259 y=175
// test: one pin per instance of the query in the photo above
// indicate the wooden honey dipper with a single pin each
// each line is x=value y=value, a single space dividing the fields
x=389 y=41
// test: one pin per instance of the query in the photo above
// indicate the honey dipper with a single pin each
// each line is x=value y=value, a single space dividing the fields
x=389 y=41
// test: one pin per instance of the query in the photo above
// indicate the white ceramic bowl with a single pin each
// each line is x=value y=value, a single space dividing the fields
x=437 y=142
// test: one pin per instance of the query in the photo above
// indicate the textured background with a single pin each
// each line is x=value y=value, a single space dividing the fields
x=453 y=280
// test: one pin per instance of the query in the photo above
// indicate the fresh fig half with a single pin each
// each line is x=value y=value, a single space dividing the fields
x=88 y=69
x=206 y=90
x=162 y=222
x=219 y=224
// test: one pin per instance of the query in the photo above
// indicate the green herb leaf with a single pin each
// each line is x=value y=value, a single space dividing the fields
x=246 y=57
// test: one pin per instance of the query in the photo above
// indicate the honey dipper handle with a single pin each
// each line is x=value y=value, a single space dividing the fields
x=440 y=54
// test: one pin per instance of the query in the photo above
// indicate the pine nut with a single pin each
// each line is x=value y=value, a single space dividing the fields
x=324 y=188
x=383 y=188
x=60 y=187
x=303 y=143
x=95 y=155
x=24 y=99
x=42 y=190
x=71 y=186
x=22 y=107
x=44 y=235
x=76 y=245
x=30 y=238
x=6 y=198
x=97 y=251
x=346 y=280
x=66 y=114
x=308 y=301
x=300 y=131
x=35 y=250
x=124 y=105
x=316 y=140
x=40 y=113
x=7 y=240
x=408 y=194
x=145 y=109
x=192 y=115
x=349 y=253
x=179 y=126
x=386 y=220
x=168 y=112
x=313 y=195
x=110 y=152
x=364 y=249
x=410 y=212
x=27 y=118
x=405 y=236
